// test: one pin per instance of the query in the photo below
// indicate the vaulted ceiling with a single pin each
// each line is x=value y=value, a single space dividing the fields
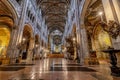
x=55 y=13
x=92 y=16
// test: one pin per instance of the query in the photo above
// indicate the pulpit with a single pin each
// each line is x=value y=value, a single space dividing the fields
x=113 y=60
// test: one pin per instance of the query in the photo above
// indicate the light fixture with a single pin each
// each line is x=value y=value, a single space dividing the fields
x=100 y=13
x=74 y=39
x=36 y=45
x=23 y=39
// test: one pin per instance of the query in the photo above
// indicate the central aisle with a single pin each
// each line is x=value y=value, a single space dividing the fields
x=58 y=69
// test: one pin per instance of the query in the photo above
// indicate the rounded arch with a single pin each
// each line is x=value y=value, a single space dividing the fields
x=100 y=40
x=8 y=21
x=28 y=30
x=83 y=12
x=101 y=35
x=97 y=38
x=11 y=11
x=11 y=8
x=27 y=42
x=8 y=14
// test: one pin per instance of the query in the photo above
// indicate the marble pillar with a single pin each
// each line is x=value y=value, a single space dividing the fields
x=30 y=50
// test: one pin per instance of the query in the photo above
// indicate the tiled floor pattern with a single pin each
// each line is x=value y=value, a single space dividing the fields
x=41 y=70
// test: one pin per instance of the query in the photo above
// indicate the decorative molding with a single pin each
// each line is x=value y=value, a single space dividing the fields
x=113 y=28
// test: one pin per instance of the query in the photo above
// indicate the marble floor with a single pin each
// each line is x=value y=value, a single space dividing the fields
x=56 y=69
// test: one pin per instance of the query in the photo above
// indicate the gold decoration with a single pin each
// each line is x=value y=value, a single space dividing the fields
x=113 y=28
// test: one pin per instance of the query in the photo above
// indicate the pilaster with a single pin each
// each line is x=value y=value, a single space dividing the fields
x=22 y=21
x=116 y=8
x=107 y=9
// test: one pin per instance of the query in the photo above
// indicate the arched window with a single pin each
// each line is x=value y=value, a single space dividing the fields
x=32 y=19
x=28 y=13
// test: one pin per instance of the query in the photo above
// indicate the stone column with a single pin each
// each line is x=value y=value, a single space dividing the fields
x=107 y=9
x=116 y=7
x=21 y=22
x=82 y=42
x=15 y=34
x=30 y=50
x=78 y=31
x=11 y=47
x=52 y=45
x=80 y=52
x=75 y=50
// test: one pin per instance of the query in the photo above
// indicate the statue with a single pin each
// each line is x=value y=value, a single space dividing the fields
x=113 y=28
